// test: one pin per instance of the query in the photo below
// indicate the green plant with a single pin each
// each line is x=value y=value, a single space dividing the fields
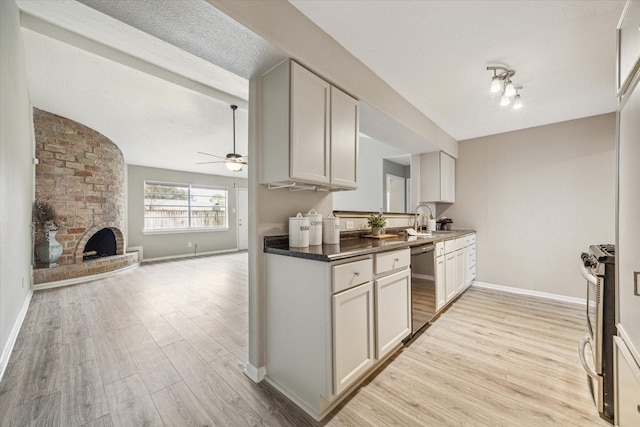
x=377 y=221
x=45 y=218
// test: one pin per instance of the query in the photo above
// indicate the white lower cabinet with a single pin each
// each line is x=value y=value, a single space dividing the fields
x=455 y=267
x=461 y=269
x=441 y=295
x=450 y=275
x=353 y=335
x=328 y=325
x=627 y=395
x=393 y=311
x=471 y=264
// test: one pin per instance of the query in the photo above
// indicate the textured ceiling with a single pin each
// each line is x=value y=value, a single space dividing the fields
x=435 y=54
x=198 y=28
x=157 y=76
x=158 y=102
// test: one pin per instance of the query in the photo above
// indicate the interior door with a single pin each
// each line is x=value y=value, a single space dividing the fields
x=243 y=218
x=395 y=197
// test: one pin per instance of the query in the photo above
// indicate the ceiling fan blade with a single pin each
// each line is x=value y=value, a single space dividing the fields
x=212 y=155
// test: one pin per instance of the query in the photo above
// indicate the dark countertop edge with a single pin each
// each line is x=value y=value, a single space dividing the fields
x=391 y=245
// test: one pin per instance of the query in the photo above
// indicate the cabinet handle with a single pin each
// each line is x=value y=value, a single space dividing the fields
x=357 y=274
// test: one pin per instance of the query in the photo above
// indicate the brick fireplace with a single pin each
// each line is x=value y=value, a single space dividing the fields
x=81 y=173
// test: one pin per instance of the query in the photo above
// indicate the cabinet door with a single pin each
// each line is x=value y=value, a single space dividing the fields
x=450 y=275
x=627 y=395
x=441 y=294
x=353 y=337
x=310 y=148
x=628 y=238
x=393 y=311
x=628 y=45
x=461 y=269
x=344 y=140
x=447 y=178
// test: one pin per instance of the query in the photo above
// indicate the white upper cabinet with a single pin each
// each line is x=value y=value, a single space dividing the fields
x=437 y=177
x=309 y=130
x=310 y=145
x=345 y=119
x=628 y=45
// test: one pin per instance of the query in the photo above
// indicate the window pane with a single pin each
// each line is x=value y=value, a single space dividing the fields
x=175 y=206
x=208 y=207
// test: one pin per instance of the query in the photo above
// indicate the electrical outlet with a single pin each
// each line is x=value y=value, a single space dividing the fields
x=188 y=244
x=349 y=225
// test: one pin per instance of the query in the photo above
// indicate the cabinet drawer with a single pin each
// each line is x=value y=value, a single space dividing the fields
x=460 y=243
x=449 y=246
x=472 y=273
x=469 y=239
x=351 y=274
x=390 y=261
x=471 y=256
x=439 y=251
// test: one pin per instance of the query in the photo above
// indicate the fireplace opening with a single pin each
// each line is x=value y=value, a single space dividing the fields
x=101 y=244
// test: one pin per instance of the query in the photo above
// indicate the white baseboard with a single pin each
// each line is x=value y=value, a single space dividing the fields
x=83 y=279
x=255 y=374
x=8 y=348
x=563 y=298
x=170 y=257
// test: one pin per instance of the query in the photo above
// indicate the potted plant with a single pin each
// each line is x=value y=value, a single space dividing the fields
x=377 y=223
x=46 y=223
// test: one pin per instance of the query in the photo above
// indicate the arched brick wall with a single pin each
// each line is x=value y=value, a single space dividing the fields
x=81 y=173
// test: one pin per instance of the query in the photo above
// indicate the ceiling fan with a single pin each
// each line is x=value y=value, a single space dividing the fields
x=233 y=161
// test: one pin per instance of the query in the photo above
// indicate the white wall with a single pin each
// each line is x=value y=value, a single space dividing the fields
x=370 y=193
x=16 y=180
x=538 y=198
x=168 y=245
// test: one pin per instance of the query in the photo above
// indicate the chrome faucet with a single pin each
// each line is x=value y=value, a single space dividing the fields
x=417 y=214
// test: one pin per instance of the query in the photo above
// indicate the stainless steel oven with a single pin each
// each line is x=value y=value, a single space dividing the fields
x=596 y=348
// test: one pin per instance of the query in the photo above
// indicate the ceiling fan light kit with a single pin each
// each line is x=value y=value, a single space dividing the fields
x=233 y=161
x=501 y=82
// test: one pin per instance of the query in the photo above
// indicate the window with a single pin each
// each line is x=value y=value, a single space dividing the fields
x=184 y=206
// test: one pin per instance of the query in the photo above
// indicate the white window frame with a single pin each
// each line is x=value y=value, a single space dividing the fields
x=190 y=228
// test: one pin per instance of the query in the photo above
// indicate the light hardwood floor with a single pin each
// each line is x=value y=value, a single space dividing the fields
x=164 y=345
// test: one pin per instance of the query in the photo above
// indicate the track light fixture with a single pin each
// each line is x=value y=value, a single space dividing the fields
x=501 y=82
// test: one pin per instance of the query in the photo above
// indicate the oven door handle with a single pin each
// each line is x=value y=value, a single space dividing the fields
x=587 y=275
x=583 y=360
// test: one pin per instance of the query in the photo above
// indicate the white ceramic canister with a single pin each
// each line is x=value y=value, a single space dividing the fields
x=315 y=227
x=431 y=225
x=298 y=231
x=331 y=230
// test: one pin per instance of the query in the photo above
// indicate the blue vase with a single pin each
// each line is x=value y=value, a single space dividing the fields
x=50 y=250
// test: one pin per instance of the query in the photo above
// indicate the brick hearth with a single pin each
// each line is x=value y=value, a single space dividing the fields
x=81 y=173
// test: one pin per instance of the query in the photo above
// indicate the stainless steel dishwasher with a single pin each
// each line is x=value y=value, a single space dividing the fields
x=423 y=288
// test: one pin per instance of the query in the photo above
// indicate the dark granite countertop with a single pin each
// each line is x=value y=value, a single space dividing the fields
x=353 y=246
